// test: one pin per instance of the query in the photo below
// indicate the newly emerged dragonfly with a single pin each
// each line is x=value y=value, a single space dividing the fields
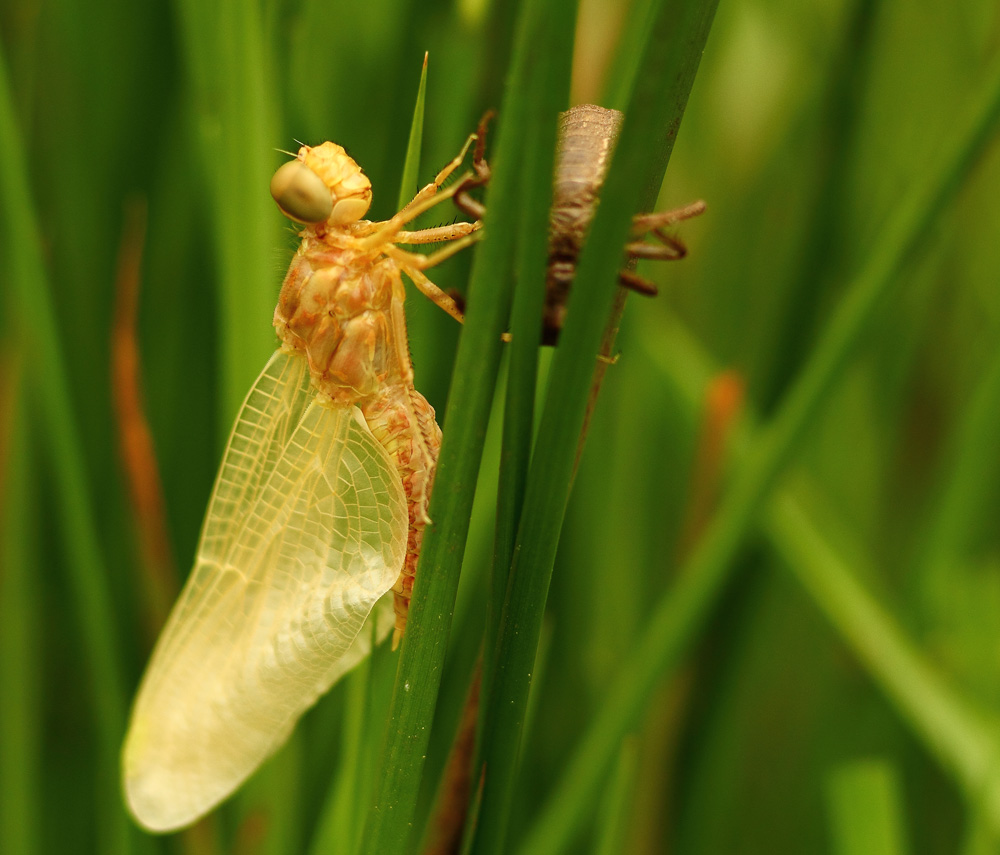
x=319 y=506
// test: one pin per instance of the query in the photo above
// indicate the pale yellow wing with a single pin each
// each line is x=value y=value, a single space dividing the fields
x=305 y=531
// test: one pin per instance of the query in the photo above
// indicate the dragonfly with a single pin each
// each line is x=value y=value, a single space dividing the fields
x=319 y=506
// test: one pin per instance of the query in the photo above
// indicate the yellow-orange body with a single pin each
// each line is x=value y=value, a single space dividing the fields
x=343 y=309
x=341 y=306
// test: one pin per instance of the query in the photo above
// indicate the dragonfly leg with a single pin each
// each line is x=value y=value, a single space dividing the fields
x=432 y=194
x=424 y=262
x=432 y=292
x=439 y=179
x=438 y=234
x=387 y=231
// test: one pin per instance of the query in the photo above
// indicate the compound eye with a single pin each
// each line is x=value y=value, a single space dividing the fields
x=301 y=193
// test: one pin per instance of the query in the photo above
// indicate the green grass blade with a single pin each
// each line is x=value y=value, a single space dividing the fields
x=681 y=615
x=274 y=795
x=411 y=166
x=866 y=810
x=231 y=74
x=519 y=399
x=978 y=838
x=612 y=825
x=966 y=475
x=945 y=723
x=339 y=825
x=673 y=49
x=20 y=623
x=839 y=112
x=56 y=424
x=526 y=312
x=625 y=67
x=424 y=645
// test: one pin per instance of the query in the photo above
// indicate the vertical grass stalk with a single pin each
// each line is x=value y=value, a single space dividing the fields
x=552 y=92
x=20 y=628
x=670 y=60
x=477 y=363
x=230 y=72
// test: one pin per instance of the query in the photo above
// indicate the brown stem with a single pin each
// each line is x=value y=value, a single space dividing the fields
x=138 y=455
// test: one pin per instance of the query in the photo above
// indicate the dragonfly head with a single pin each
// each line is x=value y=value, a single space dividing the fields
x=322 y=185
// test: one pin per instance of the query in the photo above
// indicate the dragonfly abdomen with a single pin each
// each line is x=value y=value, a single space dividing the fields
x=402 y=421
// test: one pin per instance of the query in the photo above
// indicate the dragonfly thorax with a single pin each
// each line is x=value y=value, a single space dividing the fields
x=338 y=314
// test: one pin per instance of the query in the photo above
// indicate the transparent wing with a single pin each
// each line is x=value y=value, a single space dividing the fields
x=296 y=549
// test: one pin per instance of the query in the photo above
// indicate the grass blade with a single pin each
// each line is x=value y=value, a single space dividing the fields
x=946 y=724
x=866 y=810
x=612 y=825
x=20 y=718
x=469 y=401
x=966 y=476
x=230 y=70
x=673 y=49
x=526 y=313
x=411 y=166
x=339 y=824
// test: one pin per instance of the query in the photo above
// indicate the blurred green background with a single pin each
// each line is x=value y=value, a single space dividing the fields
x=818 y=710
